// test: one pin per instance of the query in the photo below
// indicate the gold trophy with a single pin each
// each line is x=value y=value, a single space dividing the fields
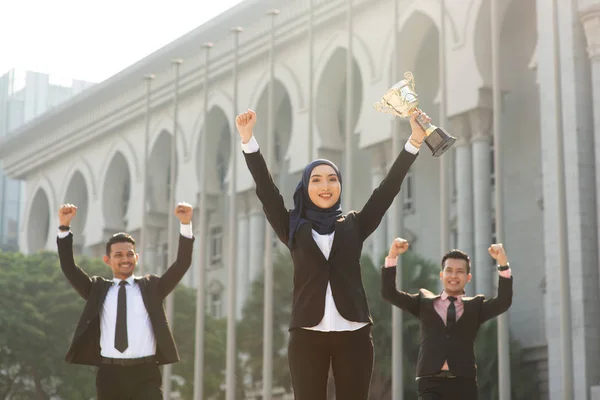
x=402 y=101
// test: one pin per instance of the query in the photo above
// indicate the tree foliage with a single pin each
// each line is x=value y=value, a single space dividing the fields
x=250 y=328
x=38 y=314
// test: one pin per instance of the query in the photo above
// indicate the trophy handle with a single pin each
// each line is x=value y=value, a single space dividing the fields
x=410 y=80
x=384 y=108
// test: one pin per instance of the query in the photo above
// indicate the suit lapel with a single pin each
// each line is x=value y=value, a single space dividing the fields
x=429 y=301
x=106 y=284
x=143 y=291
x=467 y=305
x=305 y=235
x=341 y=229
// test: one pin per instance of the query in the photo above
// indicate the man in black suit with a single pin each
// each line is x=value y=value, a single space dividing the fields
x=123 y=328
x=446 y=367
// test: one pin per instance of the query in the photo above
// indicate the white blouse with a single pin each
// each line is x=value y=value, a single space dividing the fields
x=332 y=319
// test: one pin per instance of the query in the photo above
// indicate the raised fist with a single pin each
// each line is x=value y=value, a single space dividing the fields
x=184 y=212
x=399 y=246
x=66 y=213
x=498 y=253
x=245 y=124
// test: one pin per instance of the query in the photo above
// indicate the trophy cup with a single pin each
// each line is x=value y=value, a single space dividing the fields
x=402 y=101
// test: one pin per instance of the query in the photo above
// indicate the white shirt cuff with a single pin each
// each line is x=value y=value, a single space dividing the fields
x=411 y=148
x=63 y=234
x=186 y=230
x=251 y=146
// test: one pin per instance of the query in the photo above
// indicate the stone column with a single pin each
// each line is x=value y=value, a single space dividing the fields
x=480 y=121
x=378 y=171
x=464 y=185
x=243 y=267
x=590 y=18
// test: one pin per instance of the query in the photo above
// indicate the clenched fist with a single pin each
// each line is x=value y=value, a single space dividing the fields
x=245 y=124
x=66 y=214
x=498 y=253
x=184 y=212
x=399 y=246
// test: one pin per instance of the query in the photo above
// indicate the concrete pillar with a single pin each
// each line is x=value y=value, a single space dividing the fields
x=464 y=185
x=480 y=123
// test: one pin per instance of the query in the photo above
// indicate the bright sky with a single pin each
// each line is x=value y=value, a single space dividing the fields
x=93 y=40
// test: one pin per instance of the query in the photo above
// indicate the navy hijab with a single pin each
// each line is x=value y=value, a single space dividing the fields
x=305 y=211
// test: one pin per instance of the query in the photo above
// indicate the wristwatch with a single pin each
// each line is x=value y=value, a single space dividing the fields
x=503 y=267
x=64 y=228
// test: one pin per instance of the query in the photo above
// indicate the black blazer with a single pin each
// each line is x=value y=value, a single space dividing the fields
x=85 y=346
x=437 y=343
x=312 y=271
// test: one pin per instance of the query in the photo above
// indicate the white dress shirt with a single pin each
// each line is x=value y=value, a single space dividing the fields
x=332 y=319
x=140 y=334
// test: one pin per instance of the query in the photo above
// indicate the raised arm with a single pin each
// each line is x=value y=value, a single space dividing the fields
x=75 y=275
x=495 y=306
x=169 y=280
x=266 y=190
x=405 y=301
x=381 y=199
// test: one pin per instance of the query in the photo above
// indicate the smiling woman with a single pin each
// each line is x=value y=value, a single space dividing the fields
x=331 y=321
x=324 y=188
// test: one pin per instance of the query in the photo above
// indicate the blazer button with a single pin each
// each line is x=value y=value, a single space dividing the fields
x=447 y=336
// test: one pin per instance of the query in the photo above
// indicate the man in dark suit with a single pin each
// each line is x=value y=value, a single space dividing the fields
x=123 y=328
x=446 y=367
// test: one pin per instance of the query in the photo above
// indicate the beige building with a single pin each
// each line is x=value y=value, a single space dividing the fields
x=90 y=150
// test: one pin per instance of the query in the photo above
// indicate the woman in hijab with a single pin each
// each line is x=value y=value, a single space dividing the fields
x=331 y=322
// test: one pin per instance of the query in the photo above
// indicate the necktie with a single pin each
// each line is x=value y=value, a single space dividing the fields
x=451 y=316
x=121 y=342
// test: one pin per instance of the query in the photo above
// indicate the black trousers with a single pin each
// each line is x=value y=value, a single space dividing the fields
x=135 y=382
x=447 y=389
x=350 y=354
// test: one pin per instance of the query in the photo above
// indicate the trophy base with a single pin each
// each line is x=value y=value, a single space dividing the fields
x=439 y=141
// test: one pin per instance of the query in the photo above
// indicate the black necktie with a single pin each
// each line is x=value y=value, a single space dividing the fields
x=121 y=342
x=451 y=316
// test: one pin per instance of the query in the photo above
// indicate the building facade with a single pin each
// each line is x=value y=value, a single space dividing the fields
x=24 y=95
x=90 y=150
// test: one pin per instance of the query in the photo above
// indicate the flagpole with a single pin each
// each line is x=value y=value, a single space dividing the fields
x=311 y=79
x=566 y=334
x=444 y=228
x=172 y=227
x=504 y=389
x=347 y=195
x=397 y=221
x=231 y=363
x=202 y=226
x=148 y=78
x=267 y=384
